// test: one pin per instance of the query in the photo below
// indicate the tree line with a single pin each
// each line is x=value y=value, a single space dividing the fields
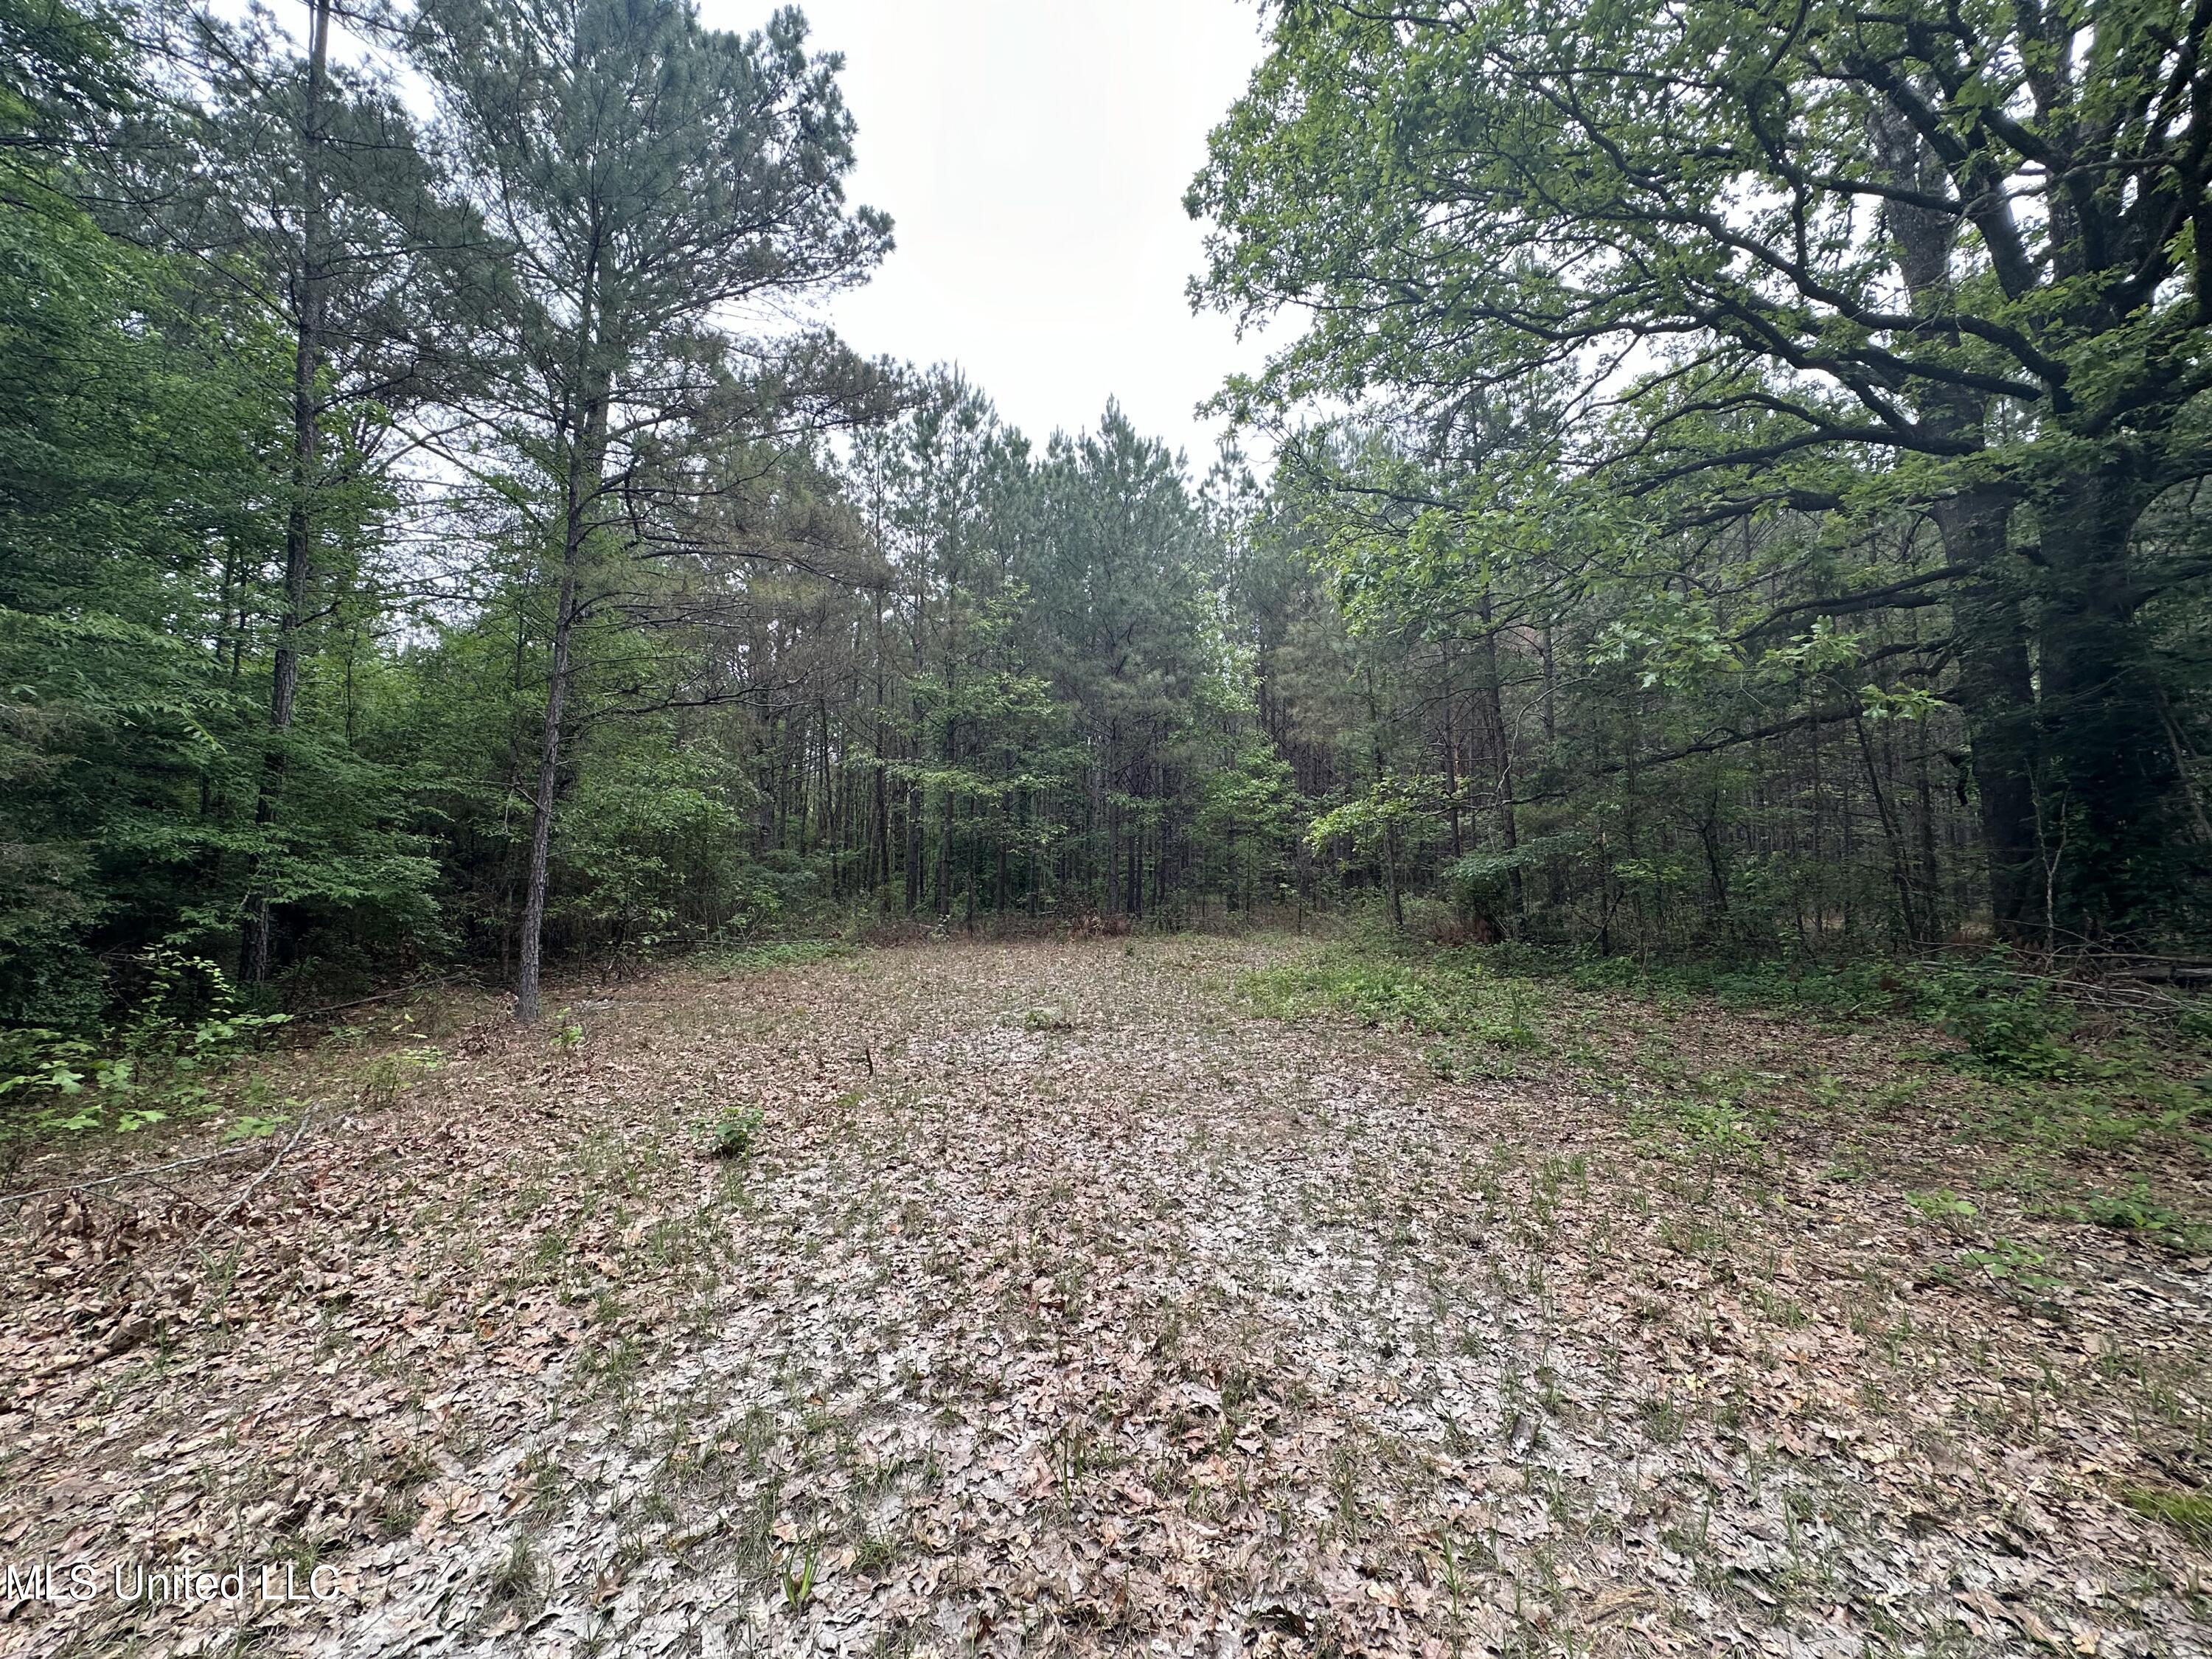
x=411 y=554
x=1735 y=487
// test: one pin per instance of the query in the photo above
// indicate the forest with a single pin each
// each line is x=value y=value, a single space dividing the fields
x=413 y=559
x=1552 y=1003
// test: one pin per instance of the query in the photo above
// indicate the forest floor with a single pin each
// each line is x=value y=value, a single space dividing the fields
x=1116 y=1295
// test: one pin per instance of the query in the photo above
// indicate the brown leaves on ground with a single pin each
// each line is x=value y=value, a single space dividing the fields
x=1057 y=1304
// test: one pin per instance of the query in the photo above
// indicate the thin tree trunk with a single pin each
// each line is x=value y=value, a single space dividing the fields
x=299 y=523
x=1508 y=824
x=586 y=463
x=1893 y=836
x=1451 y=763
x=531 y=954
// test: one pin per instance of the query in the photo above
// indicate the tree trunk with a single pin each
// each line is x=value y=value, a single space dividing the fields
x=534 y=904
x=586 y=462
x=1996 y=693
x=1509 y=825
x=1391 y=875
x=944 y=905
x=1451 y=763
x=1135 y=891
x=2112 y=781
x=531 y=956
x=299 y=522
x=913 y=848
x=1893 y=840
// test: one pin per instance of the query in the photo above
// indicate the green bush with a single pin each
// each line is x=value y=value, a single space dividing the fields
x=1378 y=992
x=1445 y=994
x=2011 y=1023
x=185 y=1028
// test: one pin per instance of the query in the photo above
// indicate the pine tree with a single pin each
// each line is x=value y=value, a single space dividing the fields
x=645 y=174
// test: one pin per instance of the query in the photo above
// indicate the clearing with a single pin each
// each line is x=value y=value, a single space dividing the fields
x=1066 y=1296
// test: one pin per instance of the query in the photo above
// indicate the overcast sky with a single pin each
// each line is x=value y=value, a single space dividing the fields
x=1034 y=154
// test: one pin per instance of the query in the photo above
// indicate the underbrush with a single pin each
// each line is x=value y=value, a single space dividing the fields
x=1719 y=1058
x=761 y=959
x=184 y=1033
x=2009 y=1019
x=1436 y=997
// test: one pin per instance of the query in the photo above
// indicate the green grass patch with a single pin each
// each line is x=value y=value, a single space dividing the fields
x=2054 y=1072
x=771 y=954
x=2034 y=1065
x=2136 y=1212
x=2008 y=1020
x=1441 y=995
x=2189 y=1513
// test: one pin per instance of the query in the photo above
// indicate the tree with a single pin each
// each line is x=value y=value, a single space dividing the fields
x=1813 y=259
x=1122 y=581
x=133 y=423
x=304 y=184
x=646 y=174
x=379 y=566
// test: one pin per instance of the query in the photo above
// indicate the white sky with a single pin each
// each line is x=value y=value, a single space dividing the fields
x=1033 y=155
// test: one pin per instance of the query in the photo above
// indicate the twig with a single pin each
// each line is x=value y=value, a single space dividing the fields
x=247 y=1191
x=381 y=996
x=126 y=1175
x=181 y=1195
x=2093 y=981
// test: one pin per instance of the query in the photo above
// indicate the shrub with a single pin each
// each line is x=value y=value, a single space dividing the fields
x=184 y=1028
x=735 y=1133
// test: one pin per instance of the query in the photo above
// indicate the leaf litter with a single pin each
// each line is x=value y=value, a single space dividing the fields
x=1147 y=1323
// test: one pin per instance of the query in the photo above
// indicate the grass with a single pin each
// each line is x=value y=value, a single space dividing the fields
x=1459 y=1000
x=731 y=961
x=2189 y=1513
x=1669 y=1284
x=517 y=1578
x=2012 y=1059
x=2134 y=1211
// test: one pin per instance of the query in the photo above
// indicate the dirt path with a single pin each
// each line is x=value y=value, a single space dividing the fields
x=1059 y=1303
